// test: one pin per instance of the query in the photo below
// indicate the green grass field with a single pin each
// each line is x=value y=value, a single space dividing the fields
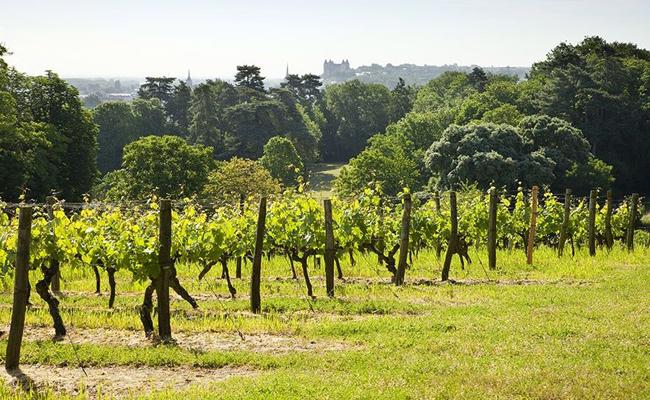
x=561 y=328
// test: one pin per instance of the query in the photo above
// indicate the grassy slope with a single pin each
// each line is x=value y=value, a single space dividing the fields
x=578 y=329
x=321 y=178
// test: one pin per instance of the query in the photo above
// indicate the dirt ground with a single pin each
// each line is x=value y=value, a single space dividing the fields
x=202 y=341
x=118 y=382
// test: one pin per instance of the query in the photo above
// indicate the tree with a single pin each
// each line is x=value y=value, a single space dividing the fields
x=541 y=151
x=166 y=166
x=402 y=97
x=478 y=79
x=305 y=89
x=150 y=118
x=32 y=154
x=297 y=125
x=249 y=76
x=57 y=104
x=281 y=159
x=160 y=88
x=421 y=129
x=178 y=108
x=355 y=112
x=447 y=90
x=599 y=88
x=486 y=154
x=503 y=114
x=208 y=106
x=240 y=178
x=386 y=162
x=250 y=125
x=567 y=147
x=117 y=128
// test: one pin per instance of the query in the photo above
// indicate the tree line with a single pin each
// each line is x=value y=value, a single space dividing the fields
x=580 y=119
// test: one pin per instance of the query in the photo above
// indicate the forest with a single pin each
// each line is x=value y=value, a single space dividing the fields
x=580 y=119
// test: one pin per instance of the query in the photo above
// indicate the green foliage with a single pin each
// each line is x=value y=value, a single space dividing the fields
x=305 y=88
x=47 y=140
x=162 y=165
x=486 y=154
x=238 y=179
x=248 y=76
x=117 y=128
x=387 y=162
x=541 y=151
x=355 y=112
x=160 y=88
x=600 y=88
x=207 y=107
x=281 y=159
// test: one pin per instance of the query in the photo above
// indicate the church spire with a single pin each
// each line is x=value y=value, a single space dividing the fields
x=287 y=74
x=188 y=81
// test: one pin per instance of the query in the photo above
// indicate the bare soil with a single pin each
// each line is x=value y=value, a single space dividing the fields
x=120 y=381
x=199 y=341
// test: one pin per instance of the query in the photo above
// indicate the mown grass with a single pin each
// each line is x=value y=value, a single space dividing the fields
x=562 y=328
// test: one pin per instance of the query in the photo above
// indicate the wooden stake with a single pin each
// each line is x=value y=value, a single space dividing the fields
x=453 y=238
x=256 y=302
x=533 y=225
x=632 y=222
x=164 y=260
x=609 y=237
x=56 y=279
x=591 y=223
x=564 y=230
x=21 y=290
x=330 y=248
x=404 y=240
x=492 y=230
x=238 y=261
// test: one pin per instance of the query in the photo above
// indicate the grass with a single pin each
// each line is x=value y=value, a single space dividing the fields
x=561 y=328
x=321 y=179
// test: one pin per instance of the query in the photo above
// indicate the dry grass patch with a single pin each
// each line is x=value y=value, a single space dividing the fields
x=122 y=381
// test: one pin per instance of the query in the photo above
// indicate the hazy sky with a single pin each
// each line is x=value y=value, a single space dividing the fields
x=142 y=37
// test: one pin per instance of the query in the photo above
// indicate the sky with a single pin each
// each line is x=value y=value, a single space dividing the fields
x=135 y=38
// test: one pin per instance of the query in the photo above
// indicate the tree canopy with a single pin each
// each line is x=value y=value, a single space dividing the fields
x=163 y=165
x=281 y=159
x=541 y=151
x=240 y=178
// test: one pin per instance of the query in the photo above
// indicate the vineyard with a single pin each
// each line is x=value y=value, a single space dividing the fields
x=296 y=260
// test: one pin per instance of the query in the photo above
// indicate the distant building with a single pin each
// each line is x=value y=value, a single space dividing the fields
x=389 y=74
x=188 y=81
x=336 y=71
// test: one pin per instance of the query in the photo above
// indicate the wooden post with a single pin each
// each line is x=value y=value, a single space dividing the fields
x=453 y=238
x=632 y=222
x=239 y=259
x=404 y=240
x=492 y=230
x=164 y=260
x=564 y=229
x=609 y=237
x=436 y=203
x=21 y=290
x=330 y=248
x=56 y=279
x=591 y=224
x=256 y=302
x=533 y=225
